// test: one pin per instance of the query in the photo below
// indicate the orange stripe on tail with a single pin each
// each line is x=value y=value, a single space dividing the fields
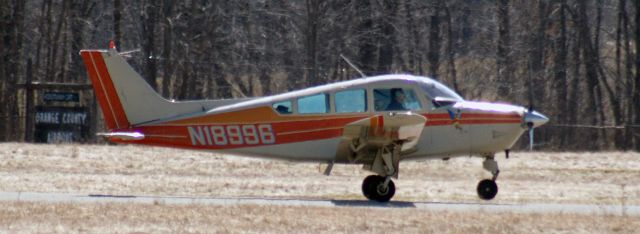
x=112 y=109
x=121 y=117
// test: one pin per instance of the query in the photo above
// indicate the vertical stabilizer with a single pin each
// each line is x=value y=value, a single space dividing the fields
x=125 y=97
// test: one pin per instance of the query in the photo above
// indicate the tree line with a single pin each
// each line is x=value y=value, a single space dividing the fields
x=577 y=61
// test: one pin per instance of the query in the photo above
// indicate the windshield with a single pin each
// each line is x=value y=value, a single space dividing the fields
x=435 y=89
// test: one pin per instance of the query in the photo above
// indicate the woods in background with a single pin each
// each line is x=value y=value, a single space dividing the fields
x=576 y=61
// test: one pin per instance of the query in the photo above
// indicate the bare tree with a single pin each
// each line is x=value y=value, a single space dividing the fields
x=149 y=18
x=167 y=46
x=560 y=70
x=451 y=54
x=314 y=12
x=80 y=13
x=636 y=91
x=117 y=19
x=387 y=36
x=5 y=17
x=434 y=39
x=623 y=43
x=13 y=40
x=367 y=35
x=503 y=58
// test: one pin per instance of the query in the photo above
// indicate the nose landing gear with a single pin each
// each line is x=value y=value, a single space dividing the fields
x=488 y=189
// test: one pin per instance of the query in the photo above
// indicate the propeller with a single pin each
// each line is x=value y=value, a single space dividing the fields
x=530 y=125
x=533 y=119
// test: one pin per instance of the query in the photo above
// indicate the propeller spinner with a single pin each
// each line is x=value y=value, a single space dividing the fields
x=533 y=119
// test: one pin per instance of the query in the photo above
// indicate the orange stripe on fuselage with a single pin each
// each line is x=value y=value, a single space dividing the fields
x=178 y=136
x=262 y=114
x=112 y=94
x=490 y=115
x=307 y=125
x=472 y=118
x=474 y=115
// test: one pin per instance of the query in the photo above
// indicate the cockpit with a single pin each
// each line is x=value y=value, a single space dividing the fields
x=435 y=89
x=408 y=93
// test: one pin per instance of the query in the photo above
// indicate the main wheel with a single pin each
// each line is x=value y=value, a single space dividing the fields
x=369 y=185
x=373 y=188
x=487 y=189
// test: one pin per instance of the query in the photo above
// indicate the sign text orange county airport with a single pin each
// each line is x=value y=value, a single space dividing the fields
x=223 y=135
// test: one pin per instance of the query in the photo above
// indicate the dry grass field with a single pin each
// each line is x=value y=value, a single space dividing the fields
x=606 y=178
x=109 y=218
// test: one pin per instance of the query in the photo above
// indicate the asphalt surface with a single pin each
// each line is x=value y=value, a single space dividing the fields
x=620 y=210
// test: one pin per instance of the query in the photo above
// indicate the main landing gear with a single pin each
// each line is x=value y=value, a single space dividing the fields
x=487 y=188
x=380 y=187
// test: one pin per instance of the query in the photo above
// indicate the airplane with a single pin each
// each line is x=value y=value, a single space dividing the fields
x=375 y=121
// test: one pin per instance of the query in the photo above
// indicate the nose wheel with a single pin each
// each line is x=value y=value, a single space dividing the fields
x=378 y=188
x=488 y=189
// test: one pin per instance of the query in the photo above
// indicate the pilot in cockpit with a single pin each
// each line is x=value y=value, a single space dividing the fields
x=397 y=100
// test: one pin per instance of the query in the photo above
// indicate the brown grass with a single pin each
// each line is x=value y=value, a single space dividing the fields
x=591 y=178
x=109 y=218
x=584 y=178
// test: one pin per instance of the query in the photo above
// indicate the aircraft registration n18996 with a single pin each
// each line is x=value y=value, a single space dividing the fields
x=375 y=121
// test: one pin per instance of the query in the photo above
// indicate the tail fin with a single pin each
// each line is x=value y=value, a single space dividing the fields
x=125 y=97
x=114 y=114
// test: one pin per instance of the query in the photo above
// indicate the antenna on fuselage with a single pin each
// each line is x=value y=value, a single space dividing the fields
x=353 y=66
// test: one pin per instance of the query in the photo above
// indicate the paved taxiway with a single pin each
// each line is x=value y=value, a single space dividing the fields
x=632 y=210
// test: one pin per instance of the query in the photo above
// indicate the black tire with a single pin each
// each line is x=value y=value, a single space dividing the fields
x=373 y=190
x=369 y=186
x=487 y=189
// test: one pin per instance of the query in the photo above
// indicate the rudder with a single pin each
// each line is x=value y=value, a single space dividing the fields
x=113 y=111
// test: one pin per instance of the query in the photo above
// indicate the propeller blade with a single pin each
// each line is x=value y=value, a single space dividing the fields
x=530 y=139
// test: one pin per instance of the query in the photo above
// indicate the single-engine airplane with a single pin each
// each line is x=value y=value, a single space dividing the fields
x=375 y=121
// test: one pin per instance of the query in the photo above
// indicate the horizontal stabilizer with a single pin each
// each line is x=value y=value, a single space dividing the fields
x=127 y=136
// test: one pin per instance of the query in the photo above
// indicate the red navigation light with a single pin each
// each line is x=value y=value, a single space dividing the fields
x=112 y=44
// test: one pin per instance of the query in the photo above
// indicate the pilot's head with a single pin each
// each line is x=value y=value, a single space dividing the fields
x=397 y=95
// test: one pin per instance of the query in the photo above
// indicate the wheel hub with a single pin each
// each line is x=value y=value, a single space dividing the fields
x=382 y=190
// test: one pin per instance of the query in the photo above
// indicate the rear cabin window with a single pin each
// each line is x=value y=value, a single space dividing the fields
x=313 y=104
x=395 y=99
x=283 y=107
x=350 y=101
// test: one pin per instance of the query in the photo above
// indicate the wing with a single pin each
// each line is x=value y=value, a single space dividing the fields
x=363 y=137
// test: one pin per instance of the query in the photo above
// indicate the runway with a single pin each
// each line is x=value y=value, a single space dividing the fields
x=619 y=210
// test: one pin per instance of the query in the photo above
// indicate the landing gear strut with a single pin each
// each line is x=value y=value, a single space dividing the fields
x=487 y=189
x=378 y=188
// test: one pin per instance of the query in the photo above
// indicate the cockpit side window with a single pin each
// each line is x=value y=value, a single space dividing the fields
x=313 y=104
x=284 y=107
x=395 y=99
x=350 y=101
